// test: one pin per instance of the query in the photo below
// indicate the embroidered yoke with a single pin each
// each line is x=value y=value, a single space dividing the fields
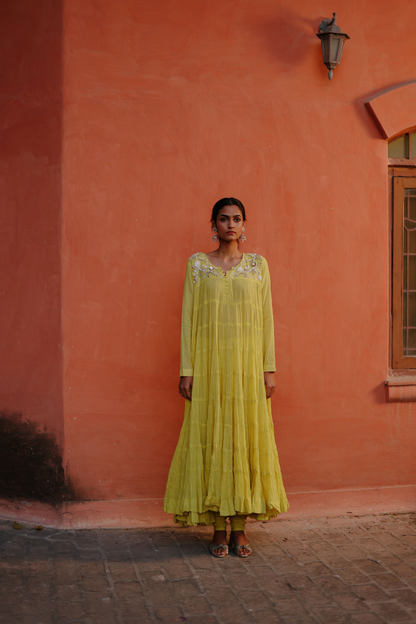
x=226 y=459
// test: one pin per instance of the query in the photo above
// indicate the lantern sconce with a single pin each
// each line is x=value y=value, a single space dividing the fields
x=333 y=41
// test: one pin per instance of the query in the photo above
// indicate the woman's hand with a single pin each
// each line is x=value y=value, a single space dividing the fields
x=270 y=383
x=185 y=387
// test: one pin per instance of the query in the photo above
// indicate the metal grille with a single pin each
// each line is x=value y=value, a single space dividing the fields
x=409 y=273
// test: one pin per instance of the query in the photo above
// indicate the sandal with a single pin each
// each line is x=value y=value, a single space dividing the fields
x=237 y=548
x=222 y=547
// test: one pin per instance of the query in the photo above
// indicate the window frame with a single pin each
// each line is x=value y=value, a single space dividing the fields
x=401 y=179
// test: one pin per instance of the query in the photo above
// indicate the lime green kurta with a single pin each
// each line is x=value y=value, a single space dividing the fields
x=226 y=459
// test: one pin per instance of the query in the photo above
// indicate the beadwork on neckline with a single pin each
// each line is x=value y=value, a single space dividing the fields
x=249 y=266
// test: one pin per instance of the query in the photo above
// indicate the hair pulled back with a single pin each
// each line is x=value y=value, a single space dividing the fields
x=227 y=201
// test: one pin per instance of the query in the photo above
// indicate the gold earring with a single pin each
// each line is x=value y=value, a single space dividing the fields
x=215 y=237
x=243 y=237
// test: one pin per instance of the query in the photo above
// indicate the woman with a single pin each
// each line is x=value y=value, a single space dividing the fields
x=226 y=463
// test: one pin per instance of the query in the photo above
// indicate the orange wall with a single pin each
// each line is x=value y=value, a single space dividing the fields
x=30 y=192
x=169 y=106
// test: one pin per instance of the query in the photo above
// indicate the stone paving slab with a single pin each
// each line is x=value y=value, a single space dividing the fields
x=360 y=570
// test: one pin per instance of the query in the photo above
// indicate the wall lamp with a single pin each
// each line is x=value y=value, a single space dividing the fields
x=333 y=41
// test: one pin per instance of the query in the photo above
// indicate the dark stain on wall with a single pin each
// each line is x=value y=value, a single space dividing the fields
x=30 y=462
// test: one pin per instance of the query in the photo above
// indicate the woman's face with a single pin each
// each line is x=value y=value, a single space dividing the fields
x=229 y=223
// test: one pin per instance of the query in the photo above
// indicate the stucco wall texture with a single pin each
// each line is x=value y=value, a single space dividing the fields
x=166 y=107
x=30 y=208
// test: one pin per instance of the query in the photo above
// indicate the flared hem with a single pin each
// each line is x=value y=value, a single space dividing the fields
x=207 y=518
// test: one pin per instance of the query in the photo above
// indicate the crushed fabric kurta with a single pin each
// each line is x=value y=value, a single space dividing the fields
x=226 y=459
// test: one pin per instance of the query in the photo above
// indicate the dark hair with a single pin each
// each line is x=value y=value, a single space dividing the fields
x=227 y=201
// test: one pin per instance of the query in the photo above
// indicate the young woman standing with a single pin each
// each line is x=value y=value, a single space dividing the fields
x=226 y=463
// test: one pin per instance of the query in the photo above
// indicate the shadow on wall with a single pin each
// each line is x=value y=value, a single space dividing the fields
x=30 y=462
x=289 y=38
x=379 y=393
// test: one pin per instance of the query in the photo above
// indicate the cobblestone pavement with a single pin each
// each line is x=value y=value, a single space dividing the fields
x=331 y=570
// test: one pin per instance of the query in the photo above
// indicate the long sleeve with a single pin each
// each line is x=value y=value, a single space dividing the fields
x=187 y=369
x=269 y=363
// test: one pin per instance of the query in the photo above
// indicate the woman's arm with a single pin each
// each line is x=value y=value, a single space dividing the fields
x=186 y=371
x=269 y=363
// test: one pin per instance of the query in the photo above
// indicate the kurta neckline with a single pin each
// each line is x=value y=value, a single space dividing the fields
x=219 y=268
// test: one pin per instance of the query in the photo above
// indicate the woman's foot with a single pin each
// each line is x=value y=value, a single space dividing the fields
x=219 y=539
x=239 y=539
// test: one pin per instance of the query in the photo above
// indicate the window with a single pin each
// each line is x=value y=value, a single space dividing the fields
x=402 y=155
x=404 y=272
x=403 y=148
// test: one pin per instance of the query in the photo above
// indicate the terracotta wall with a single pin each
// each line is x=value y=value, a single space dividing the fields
x=30 y=192
x=167 y=107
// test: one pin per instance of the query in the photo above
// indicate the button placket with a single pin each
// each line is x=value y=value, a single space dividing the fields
x=227 y=287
